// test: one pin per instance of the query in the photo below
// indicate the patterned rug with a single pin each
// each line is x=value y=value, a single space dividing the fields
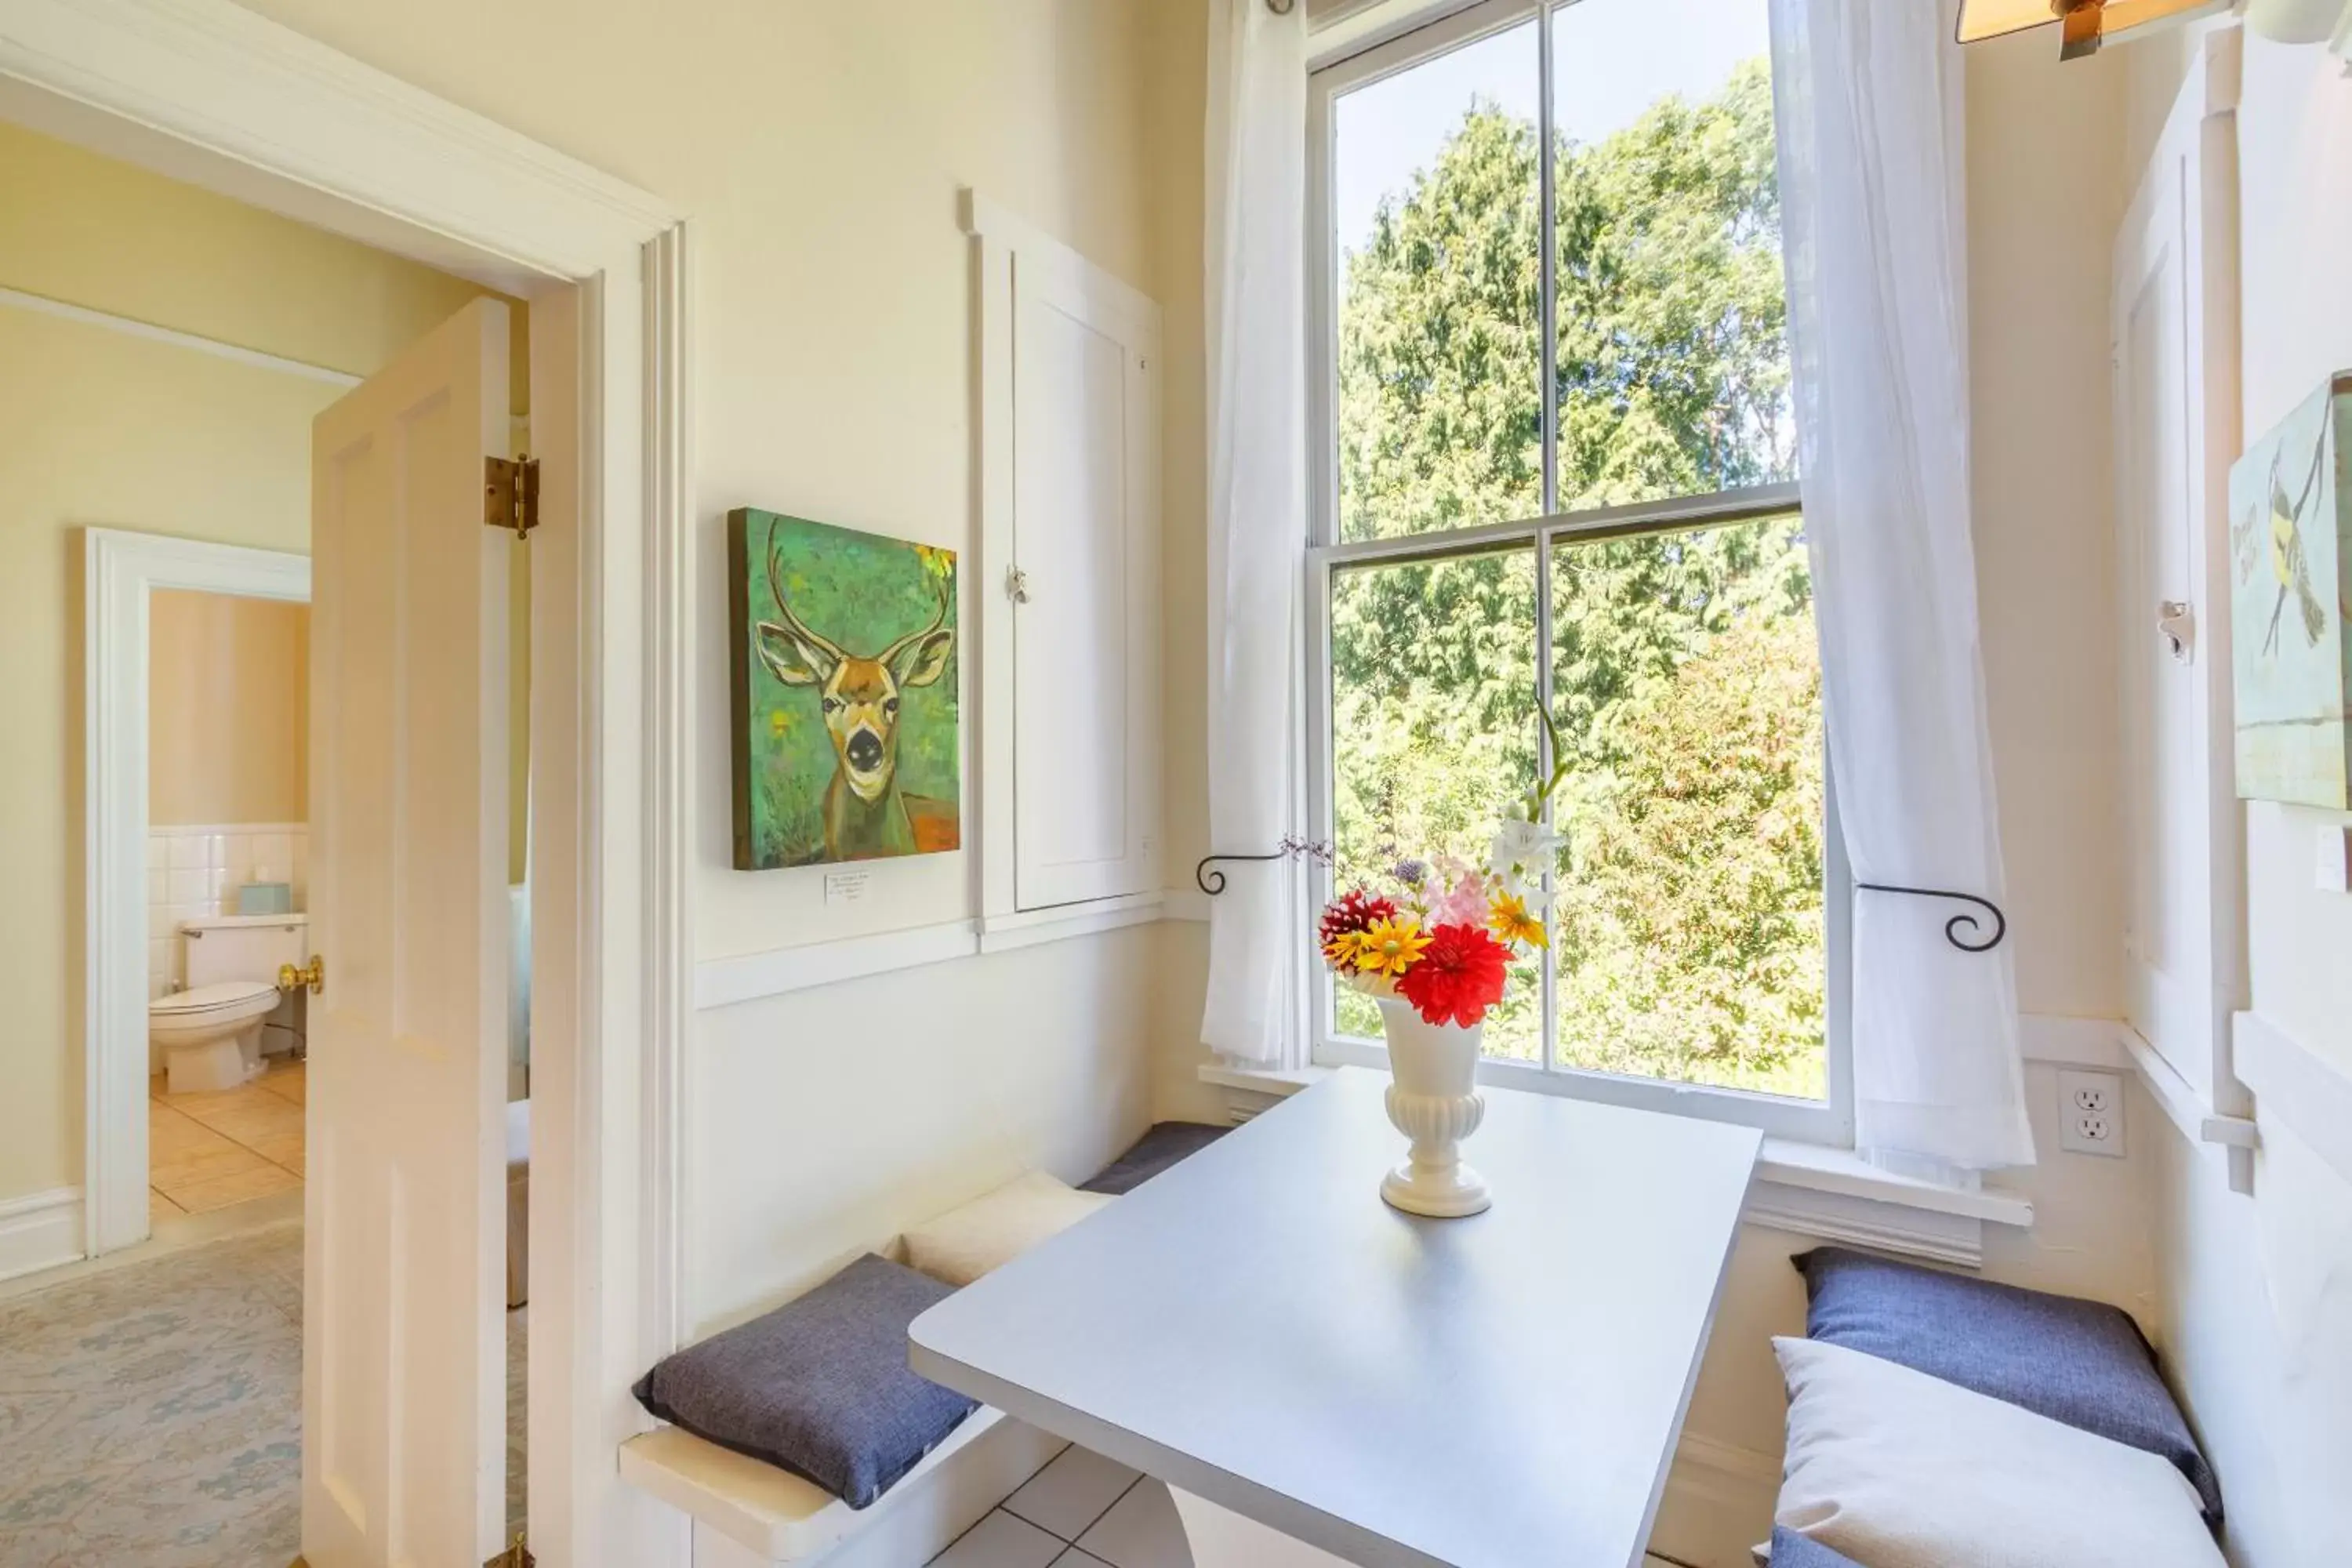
x=151 y=1416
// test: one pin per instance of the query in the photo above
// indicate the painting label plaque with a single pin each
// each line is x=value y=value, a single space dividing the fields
x=2290 y=581
x=844 y=707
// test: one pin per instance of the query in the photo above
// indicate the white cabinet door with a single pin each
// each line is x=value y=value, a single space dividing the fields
x=2176 y=410
x=402 y=1344
x=1086 y=615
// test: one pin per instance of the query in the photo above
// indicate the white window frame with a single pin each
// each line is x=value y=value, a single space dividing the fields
x=1829 y=1120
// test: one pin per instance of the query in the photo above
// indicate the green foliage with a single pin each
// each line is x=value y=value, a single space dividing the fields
x=1685 y=685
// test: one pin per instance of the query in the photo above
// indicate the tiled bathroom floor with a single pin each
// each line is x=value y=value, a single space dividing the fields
x=205 y=1151
x=1080 y=1511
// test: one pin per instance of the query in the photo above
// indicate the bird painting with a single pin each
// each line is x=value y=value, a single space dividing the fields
x=2290 y=563
x=2291 y=581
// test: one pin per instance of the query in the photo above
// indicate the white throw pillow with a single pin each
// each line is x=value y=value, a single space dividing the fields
x=1898 y=1469
x=963 y=1244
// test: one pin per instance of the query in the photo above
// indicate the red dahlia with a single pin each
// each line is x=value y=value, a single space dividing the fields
x=1354 y=910
x=1458 y=977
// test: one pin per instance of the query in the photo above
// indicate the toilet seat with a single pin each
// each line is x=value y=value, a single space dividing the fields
x=207 y=1000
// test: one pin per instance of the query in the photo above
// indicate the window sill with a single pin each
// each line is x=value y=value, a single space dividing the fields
x=1833 y=1194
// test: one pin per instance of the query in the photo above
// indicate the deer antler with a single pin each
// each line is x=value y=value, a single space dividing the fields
x=793 y=623
x=939 y=618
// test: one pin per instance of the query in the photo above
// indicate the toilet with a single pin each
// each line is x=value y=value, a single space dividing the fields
x=209 y=1035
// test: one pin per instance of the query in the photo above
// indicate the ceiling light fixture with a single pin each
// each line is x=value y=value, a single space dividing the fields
x=2084 y=25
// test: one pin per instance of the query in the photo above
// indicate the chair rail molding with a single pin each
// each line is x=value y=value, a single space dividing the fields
x=2297 y=1087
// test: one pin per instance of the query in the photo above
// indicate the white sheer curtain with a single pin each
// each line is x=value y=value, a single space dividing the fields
x=1868 y=96
x=1256 y=275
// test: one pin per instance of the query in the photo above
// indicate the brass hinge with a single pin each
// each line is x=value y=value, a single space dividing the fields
x=511 y=494
x=515 y=1556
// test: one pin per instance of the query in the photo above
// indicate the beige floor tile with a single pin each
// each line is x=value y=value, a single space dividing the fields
x=287 y=1081
x=250 y=1123
x=174 y=1176
x=161 y=1207
x=204 y=1107
x=261 y=1182
x=281 y=1149
x=172 y=1134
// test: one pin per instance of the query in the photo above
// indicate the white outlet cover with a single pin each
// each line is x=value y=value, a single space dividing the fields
x=2090 y=1111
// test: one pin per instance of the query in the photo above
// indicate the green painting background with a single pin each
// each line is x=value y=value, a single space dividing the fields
x=861 y=592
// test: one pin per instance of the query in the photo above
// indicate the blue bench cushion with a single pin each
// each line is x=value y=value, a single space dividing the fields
x=820 y=1386
x=1157 y=1150
x=1790 y=1550
x=2077 y=1362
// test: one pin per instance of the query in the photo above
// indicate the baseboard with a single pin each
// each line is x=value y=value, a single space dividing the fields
x=1717 y=1504
x=40 y=1230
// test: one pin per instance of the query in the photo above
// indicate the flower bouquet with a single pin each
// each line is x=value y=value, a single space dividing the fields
x=1433 y=944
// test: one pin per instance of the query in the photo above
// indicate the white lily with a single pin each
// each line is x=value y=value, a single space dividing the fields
x=1522 y=847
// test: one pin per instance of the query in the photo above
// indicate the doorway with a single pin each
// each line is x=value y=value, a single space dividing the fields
x=221 y=98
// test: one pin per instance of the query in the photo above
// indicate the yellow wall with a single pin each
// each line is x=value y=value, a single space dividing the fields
x=228 y=708
x=100 y=429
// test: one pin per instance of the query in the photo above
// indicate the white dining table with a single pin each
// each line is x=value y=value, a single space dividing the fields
x=1319 y=1378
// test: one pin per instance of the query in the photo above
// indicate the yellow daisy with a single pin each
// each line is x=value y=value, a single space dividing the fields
x=1508 y=919
x=1389 y=947
x=1341 y=949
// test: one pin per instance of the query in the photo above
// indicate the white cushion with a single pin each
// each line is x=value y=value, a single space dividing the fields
x=1899 y=1470
x=963 y=1244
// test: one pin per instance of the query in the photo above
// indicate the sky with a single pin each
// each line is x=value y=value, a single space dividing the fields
x=1611 y=59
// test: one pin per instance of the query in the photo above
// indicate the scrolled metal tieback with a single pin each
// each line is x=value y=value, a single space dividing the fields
x=1964 y=917
x=1212 y=883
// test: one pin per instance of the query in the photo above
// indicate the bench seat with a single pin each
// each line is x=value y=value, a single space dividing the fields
x=747 y=1511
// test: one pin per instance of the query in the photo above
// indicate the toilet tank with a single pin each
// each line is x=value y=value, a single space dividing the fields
x=242 y=947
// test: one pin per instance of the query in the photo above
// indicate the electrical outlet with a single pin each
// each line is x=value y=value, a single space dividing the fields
x=2090 y=1112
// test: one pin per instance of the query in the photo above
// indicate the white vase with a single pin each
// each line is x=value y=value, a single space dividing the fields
x=1433 y=1101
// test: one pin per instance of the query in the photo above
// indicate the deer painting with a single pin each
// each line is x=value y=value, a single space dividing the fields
x=865 y=809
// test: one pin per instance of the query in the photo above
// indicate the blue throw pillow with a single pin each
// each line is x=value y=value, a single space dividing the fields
x=820 y=1386
x=1165 y=1146
x=2077 y=1362
x=1790 y=1550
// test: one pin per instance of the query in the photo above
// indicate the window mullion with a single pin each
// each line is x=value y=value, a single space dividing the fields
x=1547 y=264
x=1548 y=355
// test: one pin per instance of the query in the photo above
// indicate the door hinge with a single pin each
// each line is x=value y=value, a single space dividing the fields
x=515 y=1556
x=511 y=494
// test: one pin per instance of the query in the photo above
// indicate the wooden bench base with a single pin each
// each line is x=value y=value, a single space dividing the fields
x=748 y=1513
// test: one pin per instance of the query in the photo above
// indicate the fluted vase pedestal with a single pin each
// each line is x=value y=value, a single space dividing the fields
x=1433 y=1098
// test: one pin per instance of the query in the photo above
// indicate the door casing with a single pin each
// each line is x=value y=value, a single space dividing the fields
x=214 y=95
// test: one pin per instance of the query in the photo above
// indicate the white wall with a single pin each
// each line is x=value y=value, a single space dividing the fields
x=2257 y=1291
x=818 y=148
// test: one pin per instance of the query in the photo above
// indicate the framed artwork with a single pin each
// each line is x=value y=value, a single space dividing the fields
x=844 y=709
x=2289 y=583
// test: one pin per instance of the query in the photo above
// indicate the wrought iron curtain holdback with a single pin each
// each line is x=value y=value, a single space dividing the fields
x=1964 y=917
x=1212 y=883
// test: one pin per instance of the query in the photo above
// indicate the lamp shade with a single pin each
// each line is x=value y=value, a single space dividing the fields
x=2086 y=24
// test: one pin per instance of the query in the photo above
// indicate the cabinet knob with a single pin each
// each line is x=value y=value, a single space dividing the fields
x=2177 y=623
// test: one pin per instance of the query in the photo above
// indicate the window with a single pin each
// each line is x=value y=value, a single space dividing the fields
x=1559 y=464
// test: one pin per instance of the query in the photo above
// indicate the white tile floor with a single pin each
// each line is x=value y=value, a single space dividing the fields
x=1080 y=1511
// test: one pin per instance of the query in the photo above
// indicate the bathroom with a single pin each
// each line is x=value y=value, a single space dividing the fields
x=227 y=799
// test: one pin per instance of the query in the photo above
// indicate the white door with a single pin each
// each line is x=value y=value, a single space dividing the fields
x=402 y=1342
x=1086 y=628
x=2176 y=410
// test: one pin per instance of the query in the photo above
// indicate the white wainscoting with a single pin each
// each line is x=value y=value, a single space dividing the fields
x=40 y=1230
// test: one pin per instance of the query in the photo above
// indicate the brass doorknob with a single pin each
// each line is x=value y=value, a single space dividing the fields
x=312 y=974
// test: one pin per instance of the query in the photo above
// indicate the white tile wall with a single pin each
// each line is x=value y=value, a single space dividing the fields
x=195 y=872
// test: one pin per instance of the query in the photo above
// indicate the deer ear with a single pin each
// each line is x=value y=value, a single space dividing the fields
x=792 y=660
x=926 y=660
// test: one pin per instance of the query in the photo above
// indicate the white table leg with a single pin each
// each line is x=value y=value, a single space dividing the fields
x=1221 y=1538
